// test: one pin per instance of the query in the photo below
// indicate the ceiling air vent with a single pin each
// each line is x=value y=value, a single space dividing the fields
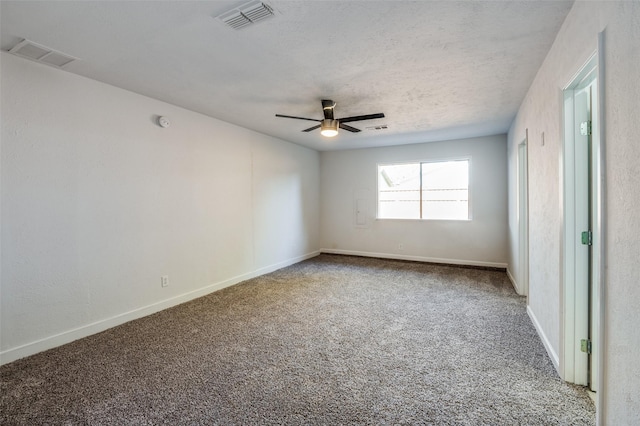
x=247 y=14
x=30 y=50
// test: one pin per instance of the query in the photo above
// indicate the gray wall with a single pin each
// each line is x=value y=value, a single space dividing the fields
x=541 y=112
x=352 y=174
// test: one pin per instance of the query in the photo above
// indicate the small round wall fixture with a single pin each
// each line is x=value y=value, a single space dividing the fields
x=163 y=122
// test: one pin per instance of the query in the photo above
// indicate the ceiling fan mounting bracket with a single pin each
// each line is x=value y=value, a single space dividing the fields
x=328 y=104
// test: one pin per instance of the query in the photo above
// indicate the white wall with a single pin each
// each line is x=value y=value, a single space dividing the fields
x=351 y=174
x=540 y=112
x=98 y=202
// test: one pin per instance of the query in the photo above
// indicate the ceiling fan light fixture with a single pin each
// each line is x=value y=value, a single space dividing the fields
x=329 y=125
x=329 y=128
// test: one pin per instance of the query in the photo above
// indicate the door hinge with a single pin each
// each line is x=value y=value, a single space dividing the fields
x=585 y=128
x=585 y=346
x=587 y=238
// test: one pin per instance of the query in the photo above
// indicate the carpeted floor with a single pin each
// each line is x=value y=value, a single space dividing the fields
x=332 y=340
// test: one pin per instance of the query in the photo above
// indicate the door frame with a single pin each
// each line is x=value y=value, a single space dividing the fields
x=571 y=314
x=577 y=190
x=523 y=214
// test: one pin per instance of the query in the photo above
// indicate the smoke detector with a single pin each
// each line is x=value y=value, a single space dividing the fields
x=247 y=14
x=37 y=52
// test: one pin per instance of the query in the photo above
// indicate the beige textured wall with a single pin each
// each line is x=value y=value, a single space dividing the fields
x=541 y=112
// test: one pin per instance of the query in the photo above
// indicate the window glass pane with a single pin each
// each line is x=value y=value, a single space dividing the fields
x=399 y=191
x=445 y=190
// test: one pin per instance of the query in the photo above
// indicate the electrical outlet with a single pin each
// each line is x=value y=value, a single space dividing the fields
x=164 y=280
x=400 y=246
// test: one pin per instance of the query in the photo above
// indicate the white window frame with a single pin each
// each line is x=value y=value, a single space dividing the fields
x=430 y=160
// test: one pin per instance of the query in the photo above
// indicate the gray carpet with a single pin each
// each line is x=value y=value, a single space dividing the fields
x=332 y=340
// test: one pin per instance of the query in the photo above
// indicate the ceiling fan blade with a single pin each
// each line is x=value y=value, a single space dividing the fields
x=297 y=118
x=361 y=117
x=311 y=128
x=349 y=128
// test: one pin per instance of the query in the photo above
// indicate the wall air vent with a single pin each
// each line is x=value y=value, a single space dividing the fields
x=30 y=50
x=247 y=14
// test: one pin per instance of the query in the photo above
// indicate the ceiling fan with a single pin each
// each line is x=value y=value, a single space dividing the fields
x=329 y=126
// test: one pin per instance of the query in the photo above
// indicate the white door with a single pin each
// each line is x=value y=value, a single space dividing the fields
x=582 y=240
x=595 y=261
x=587 y=263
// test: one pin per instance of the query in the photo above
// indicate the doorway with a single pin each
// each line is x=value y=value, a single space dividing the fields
x=523 y=217
x=582 y=228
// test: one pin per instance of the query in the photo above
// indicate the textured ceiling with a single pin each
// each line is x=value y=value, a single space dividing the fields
x=437 y=69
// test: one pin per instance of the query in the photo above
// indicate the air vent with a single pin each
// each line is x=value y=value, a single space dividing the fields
x=30 y=50
x=380 y=127
x=247 y=14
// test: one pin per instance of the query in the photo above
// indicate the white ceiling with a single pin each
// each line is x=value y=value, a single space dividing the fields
x=438 y=70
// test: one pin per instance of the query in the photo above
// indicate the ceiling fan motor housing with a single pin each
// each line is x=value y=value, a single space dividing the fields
x=329 y=127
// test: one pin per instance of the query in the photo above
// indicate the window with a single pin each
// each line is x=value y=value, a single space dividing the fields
x=426 y=190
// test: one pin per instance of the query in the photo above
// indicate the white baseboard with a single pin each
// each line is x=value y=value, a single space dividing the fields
x=416 y=258
x=68 y=336
x=516 y=287
x=547 y=345
x=284 y=264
